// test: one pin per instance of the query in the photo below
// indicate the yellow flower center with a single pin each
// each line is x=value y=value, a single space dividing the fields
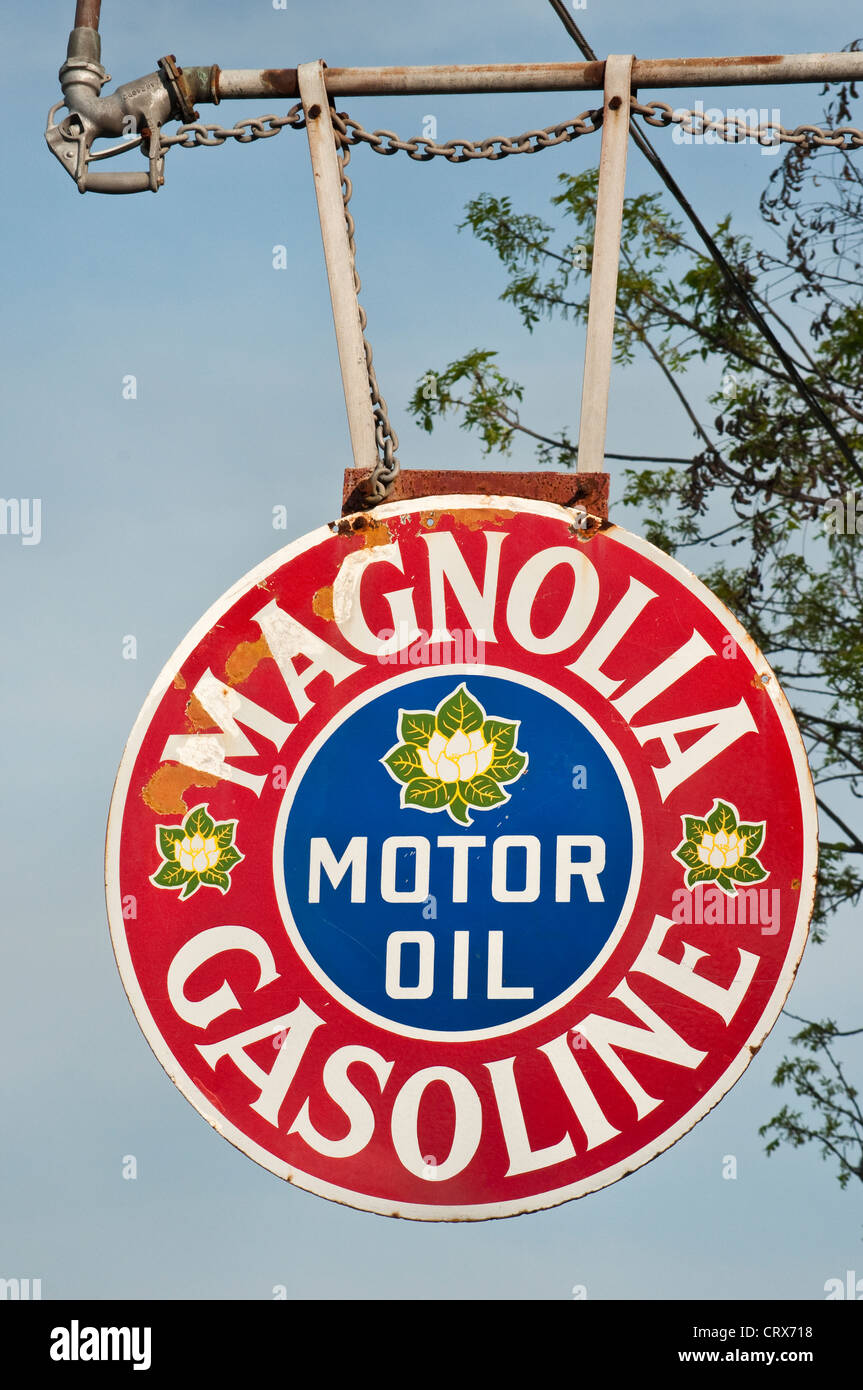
x=722 y=851
x=196 y=854
x=456 y=759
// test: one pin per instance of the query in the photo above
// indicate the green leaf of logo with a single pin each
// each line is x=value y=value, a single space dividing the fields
x=168 y=837
x=429 y=792
x=481 y=791
x=695 y=828
x=722 y=817
x=748 y=871
x=227 y=859
x=198 y=822
x=417 y=727
x=216 y=879
x=703 y=874
x=753 y=835
x=404 y=763
x=689 y=854
x=224 y=833
x=501 y=734
x=459 y=811
x=508 y=767
x=460 y=711
x=171 y=875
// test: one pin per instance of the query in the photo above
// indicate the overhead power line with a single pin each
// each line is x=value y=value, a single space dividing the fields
x=734 y=283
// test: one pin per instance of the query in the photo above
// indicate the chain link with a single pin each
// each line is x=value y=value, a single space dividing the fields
x=733 y=128
x=385 y=471
x=256 y=128
x=386 y=142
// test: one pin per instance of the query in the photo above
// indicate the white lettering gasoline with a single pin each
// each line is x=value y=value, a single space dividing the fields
x=293 y=1031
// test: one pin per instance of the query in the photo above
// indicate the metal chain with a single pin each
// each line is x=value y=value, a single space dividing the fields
x=734 y=128
x=386 y=469
x=257 y=128
x=460 y=151
x=386 y=141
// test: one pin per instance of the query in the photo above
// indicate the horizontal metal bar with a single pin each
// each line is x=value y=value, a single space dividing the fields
x=549 y=77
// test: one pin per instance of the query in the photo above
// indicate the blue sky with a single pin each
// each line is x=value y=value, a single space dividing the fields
x=151 y=508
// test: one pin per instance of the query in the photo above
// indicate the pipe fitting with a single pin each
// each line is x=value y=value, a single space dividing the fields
x=137 y=109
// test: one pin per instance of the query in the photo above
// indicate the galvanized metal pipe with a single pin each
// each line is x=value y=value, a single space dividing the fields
x=773 y=69
x=605 y=262
x=87 y=14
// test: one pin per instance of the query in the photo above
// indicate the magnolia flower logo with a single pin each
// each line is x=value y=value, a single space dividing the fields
x=197 y=852
x=717 y=849
x=455 y=758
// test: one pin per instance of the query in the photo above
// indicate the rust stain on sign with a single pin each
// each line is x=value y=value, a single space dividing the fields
x=164 y=791
x=472 y=518
x=372 y=532
x=760 y=682
x=322 y=603
x=179 y=683
x=377 y=535
x=585 y=526
x=243 y=660
x=198 y=716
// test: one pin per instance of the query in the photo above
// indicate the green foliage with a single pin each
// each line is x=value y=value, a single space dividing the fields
x=833 y=1119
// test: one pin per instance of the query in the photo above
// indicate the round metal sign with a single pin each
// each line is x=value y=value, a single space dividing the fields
x=460 y=860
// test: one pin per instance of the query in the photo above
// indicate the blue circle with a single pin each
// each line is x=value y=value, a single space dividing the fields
x=348 y=804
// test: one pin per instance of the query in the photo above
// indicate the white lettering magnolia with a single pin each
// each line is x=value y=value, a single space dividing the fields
x=479 y=603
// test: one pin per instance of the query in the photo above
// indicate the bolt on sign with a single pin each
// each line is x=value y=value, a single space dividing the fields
x=473 y=858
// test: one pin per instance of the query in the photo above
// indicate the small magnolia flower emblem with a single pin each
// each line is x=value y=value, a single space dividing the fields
x=455 y=758
x=197 y=852
x=718 y=849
